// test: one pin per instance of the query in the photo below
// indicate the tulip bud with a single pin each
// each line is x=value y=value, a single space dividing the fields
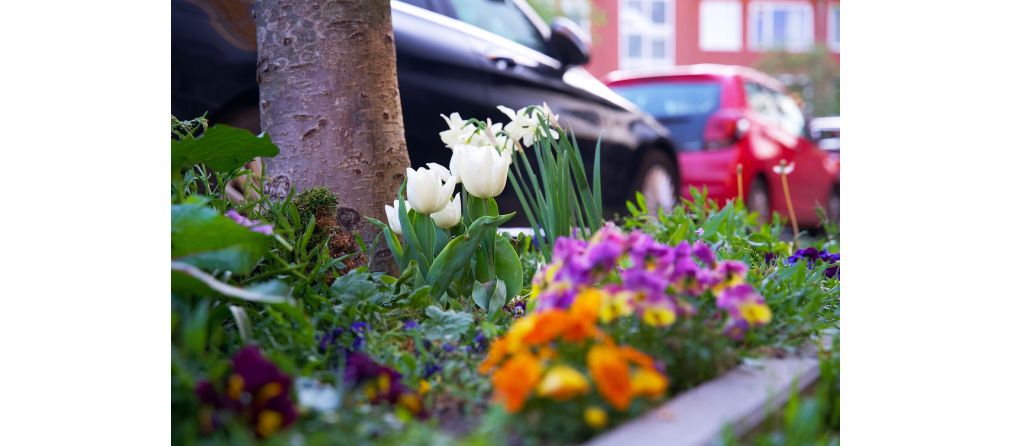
x=482 y=169
x=393 y=216
x=450 y=215
x=427 y=192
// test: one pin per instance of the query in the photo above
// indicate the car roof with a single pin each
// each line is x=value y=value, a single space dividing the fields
x=715 y=70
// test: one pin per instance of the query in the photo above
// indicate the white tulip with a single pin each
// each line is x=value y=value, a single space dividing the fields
x=450 y=215
x=482 y=169
x=459 y=130
x=442 y=172
x=427 y=191
x=393 y=216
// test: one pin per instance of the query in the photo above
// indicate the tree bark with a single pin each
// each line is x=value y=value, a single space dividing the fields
x=329 y=100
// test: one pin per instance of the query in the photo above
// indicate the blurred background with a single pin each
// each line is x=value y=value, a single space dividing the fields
x=796 y=41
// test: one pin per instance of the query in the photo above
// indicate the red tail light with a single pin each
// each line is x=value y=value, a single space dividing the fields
x=724 y=129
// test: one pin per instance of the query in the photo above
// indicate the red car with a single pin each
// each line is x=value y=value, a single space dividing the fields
x=720 y=116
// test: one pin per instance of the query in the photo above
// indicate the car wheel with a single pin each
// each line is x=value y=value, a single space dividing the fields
x=758 y=200
x=658 y=180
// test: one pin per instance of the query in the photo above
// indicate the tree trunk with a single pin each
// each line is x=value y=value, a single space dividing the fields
x=329 y=100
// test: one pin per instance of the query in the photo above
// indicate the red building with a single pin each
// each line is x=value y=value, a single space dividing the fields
x=630 y=34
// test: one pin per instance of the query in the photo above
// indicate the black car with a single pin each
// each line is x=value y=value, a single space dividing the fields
x=466 y=56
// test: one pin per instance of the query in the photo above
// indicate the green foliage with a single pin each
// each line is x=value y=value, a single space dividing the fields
x=220 y=147
x=557 y=197
x=816 y=74
x=205 y=239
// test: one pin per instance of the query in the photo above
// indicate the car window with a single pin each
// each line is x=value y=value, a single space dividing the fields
x=790 y=116
x=762 y=101
x=501 y=17
x=682 y=107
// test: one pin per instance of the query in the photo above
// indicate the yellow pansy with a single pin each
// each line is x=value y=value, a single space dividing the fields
x=562 y=382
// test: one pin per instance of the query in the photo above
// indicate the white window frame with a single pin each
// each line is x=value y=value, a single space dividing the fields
x=835 y=45
x=757 y=10
x=629 y=24
x=737 y=45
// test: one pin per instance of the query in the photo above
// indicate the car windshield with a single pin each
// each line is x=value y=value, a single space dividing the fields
x=682 y=107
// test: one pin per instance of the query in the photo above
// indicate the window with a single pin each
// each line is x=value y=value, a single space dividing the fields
x=780 y=26
x=646 y=33
x=834 y=38
x=501 y=17
x=721 y=26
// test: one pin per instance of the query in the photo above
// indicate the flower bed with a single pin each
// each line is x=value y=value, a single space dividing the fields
x=280 y=336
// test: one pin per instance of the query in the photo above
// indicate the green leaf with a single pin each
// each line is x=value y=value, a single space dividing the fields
x=459 y=251
x=221 y=148
x=188 y=279
x=498 y=298
x=203 y=238
x=482 y=294
x=507 y=266
x=445 y=325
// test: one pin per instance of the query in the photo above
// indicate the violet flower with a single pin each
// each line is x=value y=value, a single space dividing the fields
x=253 y=225
x=256 y=392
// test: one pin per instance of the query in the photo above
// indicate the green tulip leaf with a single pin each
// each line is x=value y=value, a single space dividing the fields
x=507 y=266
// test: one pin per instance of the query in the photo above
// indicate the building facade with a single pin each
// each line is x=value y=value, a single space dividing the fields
x=661 y=33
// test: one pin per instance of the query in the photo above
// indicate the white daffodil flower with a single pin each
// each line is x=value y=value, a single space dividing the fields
x=492 y=134
x=450 y=215
x=523 y=126
x=786 y=168
x=482 y=169
x=393 y=216
x=459 y=130
x=427 y=191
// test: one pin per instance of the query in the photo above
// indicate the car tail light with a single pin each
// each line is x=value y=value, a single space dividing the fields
x=724 y=129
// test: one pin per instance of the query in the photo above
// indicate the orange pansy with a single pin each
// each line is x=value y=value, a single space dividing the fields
x=611 y=374
x=514 y=381
x=637 y=357
x=499 y=347
x=549 y=325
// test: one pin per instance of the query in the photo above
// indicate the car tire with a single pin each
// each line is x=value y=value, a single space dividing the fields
x=658 y=179
x=759 y=200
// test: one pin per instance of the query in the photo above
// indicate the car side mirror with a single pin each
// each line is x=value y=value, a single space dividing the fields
x=569 y=42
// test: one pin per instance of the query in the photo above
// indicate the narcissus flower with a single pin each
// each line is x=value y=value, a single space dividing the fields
x=450 y=215
x=459 y=131
x=523 y=126
x=515 y=380
x=611 y=375
x=482 y=168
x=428 y=190
x=562 y=382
